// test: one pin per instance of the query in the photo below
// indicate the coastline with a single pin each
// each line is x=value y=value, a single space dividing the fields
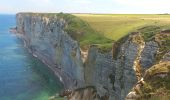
x=56 y=71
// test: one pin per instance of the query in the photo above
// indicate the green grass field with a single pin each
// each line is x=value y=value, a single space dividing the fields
x=115 y=26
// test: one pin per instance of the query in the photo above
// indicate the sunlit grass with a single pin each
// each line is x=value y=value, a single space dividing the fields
x=115 y=26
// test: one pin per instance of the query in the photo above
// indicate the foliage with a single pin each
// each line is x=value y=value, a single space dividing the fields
x=157 y=79
x=148 y=32
x=82 y=32
x=163 y=39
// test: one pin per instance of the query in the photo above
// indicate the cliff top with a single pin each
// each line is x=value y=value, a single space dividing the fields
x=103 y=30
x=78 y=29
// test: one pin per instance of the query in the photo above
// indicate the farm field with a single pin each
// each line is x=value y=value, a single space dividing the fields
x=115 y=26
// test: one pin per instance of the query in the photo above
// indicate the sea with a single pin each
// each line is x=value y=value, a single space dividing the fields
x=22 y=77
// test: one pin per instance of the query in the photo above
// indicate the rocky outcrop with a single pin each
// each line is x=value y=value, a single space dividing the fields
x=155 y=64
x=100 y=71
x=166 y=57
x=155 y=79
x=112 y=74
x=148 y=54
x=46 y=39
x=125 y=76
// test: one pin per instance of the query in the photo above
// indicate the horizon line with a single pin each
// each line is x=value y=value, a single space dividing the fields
x=90 y=13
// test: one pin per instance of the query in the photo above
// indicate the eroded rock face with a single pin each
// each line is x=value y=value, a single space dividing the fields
x=156 y=77
x=112 y=77
x=111 y=73
x=148 y=54
x=100 y=72
x=47 y=40
x=125 y=76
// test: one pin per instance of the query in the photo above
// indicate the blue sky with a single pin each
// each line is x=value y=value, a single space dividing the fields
x=86 y=6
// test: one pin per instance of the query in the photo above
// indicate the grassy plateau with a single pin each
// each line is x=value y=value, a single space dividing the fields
x=115 y=26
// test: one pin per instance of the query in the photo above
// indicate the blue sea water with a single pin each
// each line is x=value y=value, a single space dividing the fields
x=22 y=77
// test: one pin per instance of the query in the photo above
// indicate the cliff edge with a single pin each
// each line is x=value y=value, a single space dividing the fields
x=80 y=57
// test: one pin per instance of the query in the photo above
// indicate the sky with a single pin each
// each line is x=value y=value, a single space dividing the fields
x=86 y=6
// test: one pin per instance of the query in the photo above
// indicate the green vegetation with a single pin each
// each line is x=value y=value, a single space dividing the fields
x=157 y=80
x=148 y=32
x=116 y=26
x=79 y=30
x=82 y=32
x=105 y=47
x=163 y=39
x=163 y=67
x=103 y=29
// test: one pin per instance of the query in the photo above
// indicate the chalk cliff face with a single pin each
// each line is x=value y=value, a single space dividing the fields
x=113 y=74
x=46 y=39
x=100 y=71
